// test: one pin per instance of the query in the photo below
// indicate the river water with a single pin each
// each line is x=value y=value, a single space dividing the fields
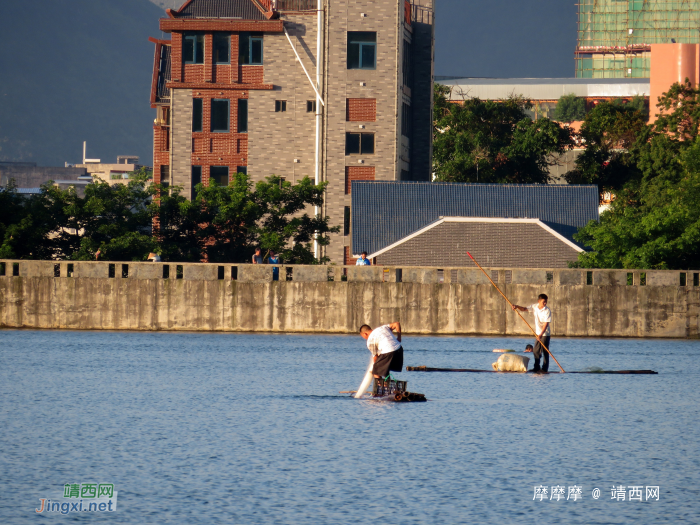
x=250 y=428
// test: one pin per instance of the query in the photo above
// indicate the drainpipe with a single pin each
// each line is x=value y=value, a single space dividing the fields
x=319 y=33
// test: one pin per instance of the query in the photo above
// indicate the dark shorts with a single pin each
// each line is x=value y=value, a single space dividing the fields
x=391 y=362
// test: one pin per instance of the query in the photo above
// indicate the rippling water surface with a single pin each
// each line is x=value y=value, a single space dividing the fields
x=244 y=428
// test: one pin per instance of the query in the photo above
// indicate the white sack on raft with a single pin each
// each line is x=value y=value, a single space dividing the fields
x=511 y=363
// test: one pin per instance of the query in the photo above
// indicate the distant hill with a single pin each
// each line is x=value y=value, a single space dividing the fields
x=173 y=4
x=74 y=70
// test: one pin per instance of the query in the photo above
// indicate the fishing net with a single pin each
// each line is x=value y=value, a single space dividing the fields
x=511 y=363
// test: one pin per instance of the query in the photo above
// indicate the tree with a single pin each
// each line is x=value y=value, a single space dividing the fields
x=177 y=225
x=237 y=219
x=127 y=221
x=570 y=108
x=495 y=140
x=27 y=223
x=654 y=221
x=114 y=219
x=607 y=132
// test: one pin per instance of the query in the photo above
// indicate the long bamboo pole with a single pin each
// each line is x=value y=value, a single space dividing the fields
x=516 y=311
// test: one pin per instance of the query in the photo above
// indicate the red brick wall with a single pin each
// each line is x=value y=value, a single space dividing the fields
x=194 y=73
x=219 y=149
x=250 y=74
x=176 y=57
x=161 y=137
x=361 y=109
x=169 y=25
x=357 y=173
x=208 y=72
x=348 y=259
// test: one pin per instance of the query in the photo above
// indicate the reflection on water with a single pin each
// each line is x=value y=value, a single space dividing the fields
x=202 y=428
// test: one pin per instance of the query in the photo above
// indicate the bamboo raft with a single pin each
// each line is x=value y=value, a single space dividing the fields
x=392 y=390
x=428 y=369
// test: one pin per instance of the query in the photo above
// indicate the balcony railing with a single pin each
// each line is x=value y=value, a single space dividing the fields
x=421 y=14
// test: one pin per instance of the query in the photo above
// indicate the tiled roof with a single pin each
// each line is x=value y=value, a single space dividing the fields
x=243 y=9
x=493 y=242
x=385 y=212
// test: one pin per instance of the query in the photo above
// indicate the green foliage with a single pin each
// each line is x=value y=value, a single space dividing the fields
x=237 y=219
x=654 y=222
x=639 y=103
x=570 y=108
x=607 y=132
x=222 y=224
x=493 y=142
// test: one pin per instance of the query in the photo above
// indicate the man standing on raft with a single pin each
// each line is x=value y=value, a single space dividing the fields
x=385 y=347
x=543 y=318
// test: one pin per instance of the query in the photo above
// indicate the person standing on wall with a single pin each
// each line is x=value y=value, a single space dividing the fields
x=274 y=259
x=363 y=260
x=385 y=347
x=543 y=320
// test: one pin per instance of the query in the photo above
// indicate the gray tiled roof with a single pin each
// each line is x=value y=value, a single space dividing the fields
x=493 y=244
x=244 y=9
x=385 y=212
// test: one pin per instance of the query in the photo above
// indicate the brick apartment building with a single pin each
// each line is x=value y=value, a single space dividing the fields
x=237 y=89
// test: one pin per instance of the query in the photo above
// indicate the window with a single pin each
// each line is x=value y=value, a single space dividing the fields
x=219 y=115
x=280 y=105
x=250 y=49
x=311 y=106
x=406 y=120
x=221 y=48
x=165 y=175
x=196 y=179
x=196 y=114
x=407 y=64
x=362 y=50
x=362 y=143
x=242 y=169
x=193 y=48
x=242 y=115
x=219 y=174
x=346 y=222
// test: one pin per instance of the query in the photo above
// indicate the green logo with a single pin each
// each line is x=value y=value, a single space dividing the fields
x=105 y=489
x=71 y=490
x=88 y=490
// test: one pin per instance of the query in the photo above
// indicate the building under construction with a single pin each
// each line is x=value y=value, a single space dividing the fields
x=615 y=36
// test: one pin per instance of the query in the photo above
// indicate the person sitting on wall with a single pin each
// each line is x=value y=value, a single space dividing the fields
x=363 y=260
x=385 y=347
x=543 y=319
x=257 y=257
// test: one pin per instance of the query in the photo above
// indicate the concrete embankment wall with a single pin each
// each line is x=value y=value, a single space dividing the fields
x=336 y=299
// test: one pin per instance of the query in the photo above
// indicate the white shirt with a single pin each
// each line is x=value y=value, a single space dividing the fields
x=382 y=341
x=541 y=316
x=363 y=262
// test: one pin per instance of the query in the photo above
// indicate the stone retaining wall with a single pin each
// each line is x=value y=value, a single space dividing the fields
x=338 y=299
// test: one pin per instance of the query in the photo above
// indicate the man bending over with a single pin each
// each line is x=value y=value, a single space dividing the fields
x=385 y=347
